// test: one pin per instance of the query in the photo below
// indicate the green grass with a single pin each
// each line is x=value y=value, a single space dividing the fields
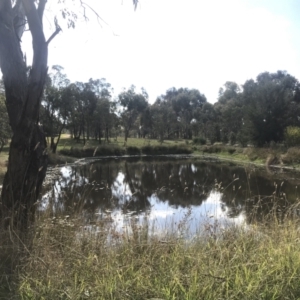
x=67 y=262
x=66 y=142
x=133 y=146
x=251 y=154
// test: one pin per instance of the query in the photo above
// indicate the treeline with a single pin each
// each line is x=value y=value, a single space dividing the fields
x=259 y=112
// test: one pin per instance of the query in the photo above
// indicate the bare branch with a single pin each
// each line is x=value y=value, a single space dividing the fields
x=135 y=3
x=84 y=5
x=56 y=32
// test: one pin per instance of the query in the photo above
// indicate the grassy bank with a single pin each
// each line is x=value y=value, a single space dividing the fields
x=65 y=260
x=275 y=155
x=133 y=146
x=69 y=150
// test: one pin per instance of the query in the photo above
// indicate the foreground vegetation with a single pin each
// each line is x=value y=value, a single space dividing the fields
x=66 y=260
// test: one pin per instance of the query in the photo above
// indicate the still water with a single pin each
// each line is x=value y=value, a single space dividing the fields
x=170 y=191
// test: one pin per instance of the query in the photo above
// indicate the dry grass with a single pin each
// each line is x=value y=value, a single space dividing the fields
x=67 y=260
x=292 y=156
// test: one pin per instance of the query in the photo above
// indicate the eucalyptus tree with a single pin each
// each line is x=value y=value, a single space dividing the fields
x=28 y=149
x=54 y=109
x=146 y=123
x=102 y=119
x=84 y=101
x=133 y=104
x=267 y=103
x=71 y=94
x=185 y=102
x=164 y=120
x=229 y=109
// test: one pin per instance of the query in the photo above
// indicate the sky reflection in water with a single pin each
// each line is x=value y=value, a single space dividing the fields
x=166 y=193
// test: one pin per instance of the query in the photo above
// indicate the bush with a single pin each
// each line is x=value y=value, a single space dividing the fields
x=291 y=156
x=292 y=136
x=231 y=150
x=199 y=141
x=257 y=153
x=212 y=149
x=160 y=150
x=93 y=151
x=132 y=150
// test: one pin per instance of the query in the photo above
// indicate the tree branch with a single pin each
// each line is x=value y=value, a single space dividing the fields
x=83 y=5
x=56 y=32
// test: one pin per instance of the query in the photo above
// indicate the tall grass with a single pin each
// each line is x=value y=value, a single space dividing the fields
x=113 y=150
x=67 y=260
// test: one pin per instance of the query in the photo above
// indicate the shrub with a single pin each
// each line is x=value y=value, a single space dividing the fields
x=257 y=153
x=291 y=156
x=292 y=136
x=132 y=150
x=93 y=151
x=199 y=141
x=160 y=150
x=212 y=149
x=231 y=150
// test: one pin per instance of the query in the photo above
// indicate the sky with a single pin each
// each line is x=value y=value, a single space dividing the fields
x=197 y=44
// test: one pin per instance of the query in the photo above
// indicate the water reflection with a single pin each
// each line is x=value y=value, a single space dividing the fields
x=168 y=191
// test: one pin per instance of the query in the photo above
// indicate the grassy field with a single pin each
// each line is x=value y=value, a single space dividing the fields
x=66 y=260
x=67 y=142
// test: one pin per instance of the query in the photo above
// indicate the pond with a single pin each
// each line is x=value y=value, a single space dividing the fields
x=169 y=192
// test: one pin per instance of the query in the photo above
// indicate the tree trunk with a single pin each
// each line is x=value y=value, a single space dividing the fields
x=27 y=162
x=54 y=147
x=126 y=133
x=106 y=133
x=26 y=171
x=52 y=142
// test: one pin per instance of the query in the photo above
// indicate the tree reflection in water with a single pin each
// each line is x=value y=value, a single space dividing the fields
x=165 y=190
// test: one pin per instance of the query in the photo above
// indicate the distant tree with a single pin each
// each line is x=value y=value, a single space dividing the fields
x=164 y=120
x=185 y=102
x=145 y=123
x=133 y=105
x=205 y=122
x=228 y=92
x=54 y=112
x=229 y=109
x=101 y=118
x=266 y=104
